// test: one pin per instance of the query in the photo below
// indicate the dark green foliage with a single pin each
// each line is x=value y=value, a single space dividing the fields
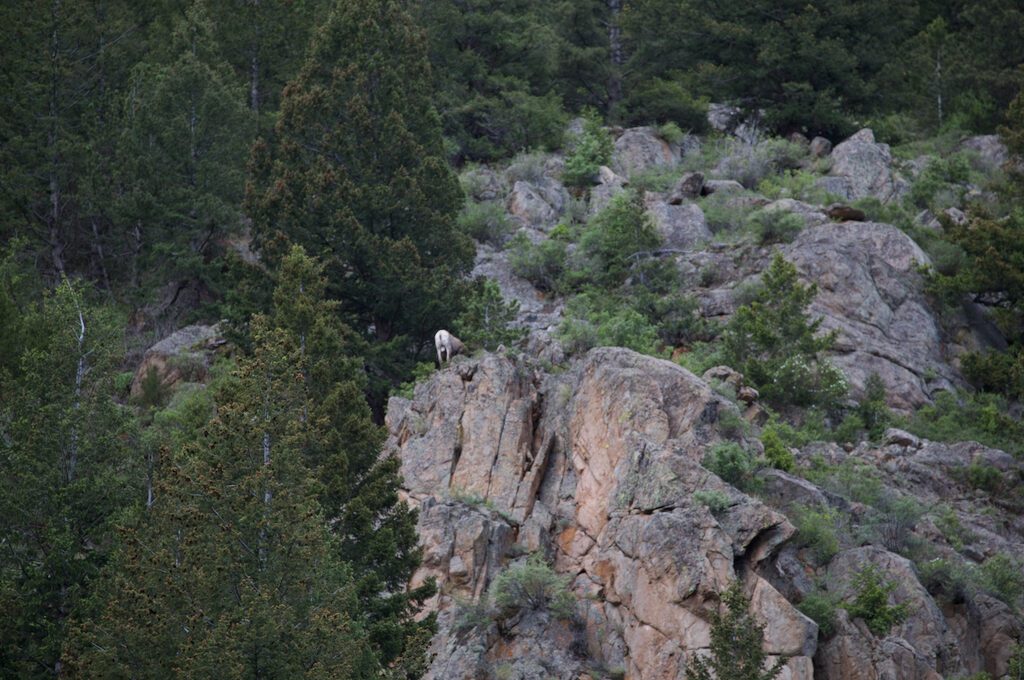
x=67 y=451
x=356 y=173
x=661 y=100
x=737 y=644
x=1015 y=670
x=872 y=409
x=871 y=602
x=615 y=239
x=487 y=320
x=233 y=569
x=776 y=347
x=591 y=149
x=996 y=372
x=494 y=63
x=942 y=183
x=733 y=464
x=1002 y=576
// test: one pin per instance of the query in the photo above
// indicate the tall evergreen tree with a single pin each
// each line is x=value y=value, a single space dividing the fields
x=181 y=157
x=233 y=571
x=358 y=487
x=64 y=449
x=356 y=173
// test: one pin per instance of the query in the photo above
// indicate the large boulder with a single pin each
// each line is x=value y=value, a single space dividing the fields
x=989 y=151
x=681 y=226
x=182 y=357
x=871 y=292
x=609 y=186
x=862 y=168
x=640 y=149
x=539 y=204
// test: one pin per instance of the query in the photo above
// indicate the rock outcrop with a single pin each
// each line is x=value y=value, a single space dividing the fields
x=640 y=149
x=182 y=357
x=595 y=468
x=862 y=168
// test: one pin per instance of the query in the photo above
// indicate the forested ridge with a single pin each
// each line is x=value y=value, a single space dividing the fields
x=309 y=184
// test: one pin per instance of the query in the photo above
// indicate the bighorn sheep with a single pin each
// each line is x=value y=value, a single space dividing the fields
x=447 y=346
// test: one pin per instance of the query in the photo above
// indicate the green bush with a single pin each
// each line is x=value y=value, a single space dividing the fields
x=948 y=522
x=776 y=453
x=1015 y=670
x=487 y=222
x=853 y=479
x=774 y=226
x=820 y=607
x=979 y=417
x=723 y=212
x=591 y=149
x=798 y=184
x=940 y=184
x=715 y=501
x=873 y=410
x=487 y=319
x=952 y=581
x=732 y=463
x=871 y=602
x=750 y=165
x=817 y=530
x=532 y=586
x=542 y=264
x=593 y=320
x=1003 y=577
x=671 y=132
x=983 y=477
x=527 y=167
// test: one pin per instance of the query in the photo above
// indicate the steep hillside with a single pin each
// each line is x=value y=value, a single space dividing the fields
x=614 y=467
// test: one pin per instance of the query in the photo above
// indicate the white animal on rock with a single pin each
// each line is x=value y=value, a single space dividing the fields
x=447 y=346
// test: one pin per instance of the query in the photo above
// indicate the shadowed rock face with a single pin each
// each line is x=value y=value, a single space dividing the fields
x=595 y=468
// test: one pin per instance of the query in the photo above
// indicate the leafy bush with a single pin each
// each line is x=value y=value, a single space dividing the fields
x=818 y=530
x=776 y=453
x=940 y=184
x=671 y=132
x=724 y=212
x=1003 y=577
x=871 y=602
x=487 y=222
x=948 y=522
x=542 y=264
x=732 y=463
x=892 y=525
x=775 y=226
x=820 y=607
x=798 y=184
x=487 y=319
x=532 y=586
x=853 y=479
x=979 y=417
x=873 y=410
x=592 y=149
x=593 y=320
x=942 y=577
x=983 y=477
x=773 y=343
x=677 y=317
x=997 y=372
x=715 y=501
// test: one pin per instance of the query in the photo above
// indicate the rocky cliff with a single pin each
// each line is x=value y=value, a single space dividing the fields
x=596 y=468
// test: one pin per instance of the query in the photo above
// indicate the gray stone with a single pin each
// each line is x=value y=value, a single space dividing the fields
x=640 y=149
x=866 y=168
x=689 y=187
x=820 y=147
x=680 y=226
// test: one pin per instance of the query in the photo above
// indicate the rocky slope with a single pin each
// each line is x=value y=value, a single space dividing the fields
x=593 y=462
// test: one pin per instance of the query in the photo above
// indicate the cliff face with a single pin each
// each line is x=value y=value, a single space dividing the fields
x=596 y=468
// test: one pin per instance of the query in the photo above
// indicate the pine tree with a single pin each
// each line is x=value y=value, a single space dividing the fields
x=233 y=571
x=64 y=449
x=737 y=645
x=356 y=174
x=358 y=487
x=181 y=157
